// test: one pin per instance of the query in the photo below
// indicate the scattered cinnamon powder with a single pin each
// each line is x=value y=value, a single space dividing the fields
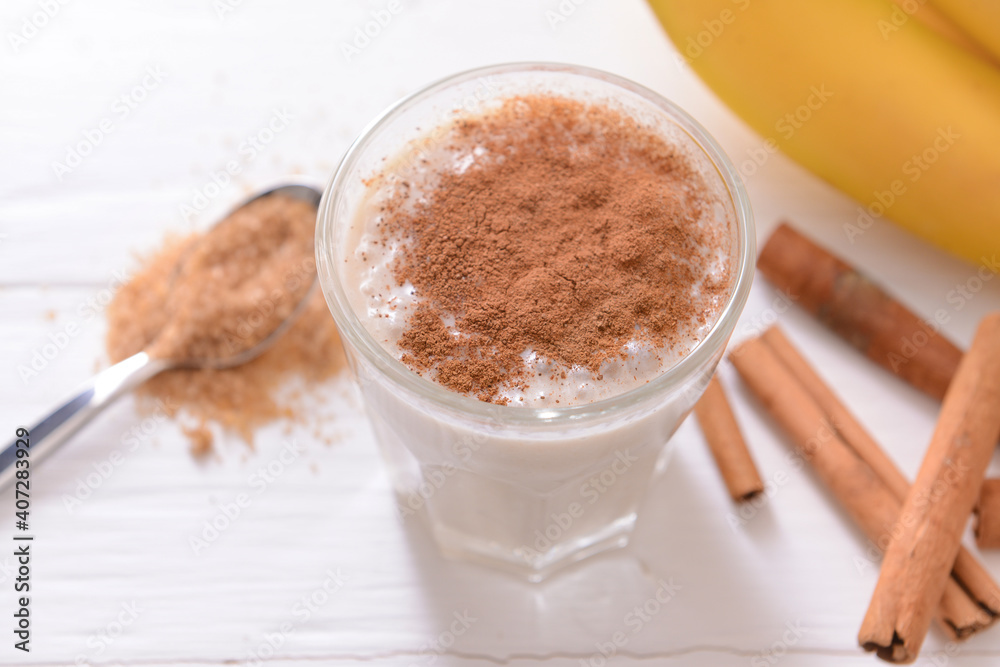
x=201 y=440
x=245 y=397
x=574 y=232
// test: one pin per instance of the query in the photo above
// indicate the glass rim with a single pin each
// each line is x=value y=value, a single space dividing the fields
x=356 y=334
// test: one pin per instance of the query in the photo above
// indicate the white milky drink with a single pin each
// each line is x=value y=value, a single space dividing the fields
x=533 y=485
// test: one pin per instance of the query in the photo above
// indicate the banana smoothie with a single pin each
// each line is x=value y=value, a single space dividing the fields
x=531 y=293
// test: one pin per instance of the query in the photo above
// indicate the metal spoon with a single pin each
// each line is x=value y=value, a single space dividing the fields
x=64 y=422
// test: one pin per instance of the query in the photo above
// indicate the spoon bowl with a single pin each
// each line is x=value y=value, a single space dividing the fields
x=311 y=196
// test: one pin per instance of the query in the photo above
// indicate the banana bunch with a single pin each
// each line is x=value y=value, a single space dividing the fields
x=896 y=104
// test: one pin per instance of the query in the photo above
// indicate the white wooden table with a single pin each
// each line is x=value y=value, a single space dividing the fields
x=320 y=569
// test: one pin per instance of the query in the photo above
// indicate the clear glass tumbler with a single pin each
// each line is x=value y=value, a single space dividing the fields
x=525 y=489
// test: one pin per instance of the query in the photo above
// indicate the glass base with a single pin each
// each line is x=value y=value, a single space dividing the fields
x=536 y=566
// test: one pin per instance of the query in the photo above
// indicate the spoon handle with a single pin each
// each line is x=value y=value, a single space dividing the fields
x=57 y=427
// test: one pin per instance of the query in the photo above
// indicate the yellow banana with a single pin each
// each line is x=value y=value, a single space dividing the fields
x=880 y=106
x=979 y=18
x=934 y=19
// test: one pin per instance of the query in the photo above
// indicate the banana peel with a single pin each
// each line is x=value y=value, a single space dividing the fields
x=978 y=18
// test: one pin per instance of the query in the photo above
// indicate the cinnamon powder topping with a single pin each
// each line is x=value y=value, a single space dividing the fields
x=572 y=232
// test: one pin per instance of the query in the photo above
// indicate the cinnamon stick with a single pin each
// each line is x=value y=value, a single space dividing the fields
x=858 y=310
x=915 y=569
x=722 y=433
x=853 y=482
x=988 y=519
x=967 y=571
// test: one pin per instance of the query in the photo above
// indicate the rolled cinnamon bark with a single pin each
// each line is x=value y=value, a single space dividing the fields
x=967 y=571
x=853 y=482
x=915 y=569
x=858 y=310
x=729 y=449
x=988 y=519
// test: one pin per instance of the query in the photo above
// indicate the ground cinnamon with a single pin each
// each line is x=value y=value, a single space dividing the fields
x=239 y=282
x=937 y=507
x=579 y=231
x=224 y=305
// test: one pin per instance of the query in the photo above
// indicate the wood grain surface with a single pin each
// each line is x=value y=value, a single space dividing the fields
x=320 y=568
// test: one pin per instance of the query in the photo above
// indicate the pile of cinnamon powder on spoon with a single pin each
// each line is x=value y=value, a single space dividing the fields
x=213 y=295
